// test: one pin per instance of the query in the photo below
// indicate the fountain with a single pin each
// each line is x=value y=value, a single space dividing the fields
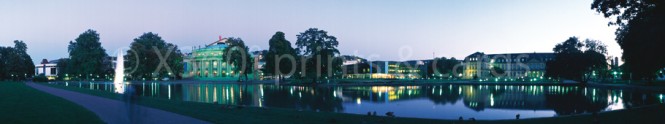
x=119 y=79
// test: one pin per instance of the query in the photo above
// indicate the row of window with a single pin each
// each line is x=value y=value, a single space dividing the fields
x=210 y=54
x=509 y=60
x=537 y=66
x=53 y=71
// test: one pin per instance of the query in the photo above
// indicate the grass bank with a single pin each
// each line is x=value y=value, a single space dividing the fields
x=20 y=103
x=234 y=114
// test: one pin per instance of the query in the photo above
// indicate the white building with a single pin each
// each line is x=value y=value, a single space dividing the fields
x=515 y=65
x=48 y=68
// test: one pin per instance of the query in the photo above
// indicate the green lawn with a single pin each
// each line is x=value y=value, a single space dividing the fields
x=224 y=114
x=20 y=103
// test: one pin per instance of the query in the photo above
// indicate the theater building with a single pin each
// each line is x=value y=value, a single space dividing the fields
x=207 y=62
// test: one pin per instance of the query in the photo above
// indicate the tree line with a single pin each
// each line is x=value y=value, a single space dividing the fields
x=15 y=63
x=149 y=57
x=579 y=61
x=315 y=57
x=640 y=23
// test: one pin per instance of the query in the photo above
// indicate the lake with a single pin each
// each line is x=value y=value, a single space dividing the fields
x=447 y=101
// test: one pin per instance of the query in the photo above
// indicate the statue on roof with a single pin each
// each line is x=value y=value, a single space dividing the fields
x=221 y=40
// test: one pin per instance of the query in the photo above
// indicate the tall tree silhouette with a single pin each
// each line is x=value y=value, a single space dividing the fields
x=641 y=25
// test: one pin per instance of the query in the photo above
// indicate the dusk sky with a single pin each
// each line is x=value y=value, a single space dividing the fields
x=377 y=30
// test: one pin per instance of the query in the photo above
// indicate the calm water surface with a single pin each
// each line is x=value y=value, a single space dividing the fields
x=485 y=102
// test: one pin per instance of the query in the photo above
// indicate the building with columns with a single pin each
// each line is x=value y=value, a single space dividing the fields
x=207 y=62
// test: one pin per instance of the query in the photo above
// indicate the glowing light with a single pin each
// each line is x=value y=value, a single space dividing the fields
x=491 y=99
x=261 y=89
x=358 y=101
x=460 y=91
x=433 y=89
x=335 y=94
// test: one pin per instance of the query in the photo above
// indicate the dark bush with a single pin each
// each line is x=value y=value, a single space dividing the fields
x=40 y=78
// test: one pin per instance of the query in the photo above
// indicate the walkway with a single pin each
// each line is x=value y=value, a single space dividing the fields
x=115 y=112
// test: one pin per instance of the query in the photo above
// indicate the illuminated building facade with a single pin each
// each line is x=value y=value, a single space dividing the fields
x=208 y=63
x=48 y=69
x=529 y=66
x=414 y=69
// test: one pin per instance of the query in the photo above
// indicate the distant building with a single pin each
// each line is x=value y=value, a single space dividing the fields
x=48 y=68
x=516 y=65
x=414 y=69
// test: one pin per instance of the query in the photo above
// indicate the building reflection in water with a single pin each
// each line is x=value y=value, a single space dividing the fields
x=485 y=100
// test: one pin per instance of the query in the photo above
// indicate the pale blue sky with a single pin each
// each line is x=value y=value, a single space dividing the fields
x=375 y=29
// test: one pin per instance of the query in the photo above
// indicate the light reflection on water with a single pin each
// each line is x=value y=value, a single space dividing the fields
x=486 y=102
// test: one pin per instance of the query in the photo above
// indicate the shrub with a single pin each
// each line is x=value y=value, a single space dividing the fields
x=40 y=78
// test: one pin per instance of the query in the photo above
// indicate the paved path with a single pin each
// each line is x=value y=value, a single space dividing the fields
x=116 y=112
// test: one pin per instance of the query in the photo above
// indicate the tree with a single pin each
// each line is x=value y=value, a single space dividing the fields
x=641 y=24
x=86 y=55
x=444 y=67
x=154 y=58
x=577 y=60
x=320 y=50
x=278 y=60
x=237 y=55
x=24 y=64
x=63 y=66
x=15 y=62
x=596 y=59
x=497 y=72
x=4 y=61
